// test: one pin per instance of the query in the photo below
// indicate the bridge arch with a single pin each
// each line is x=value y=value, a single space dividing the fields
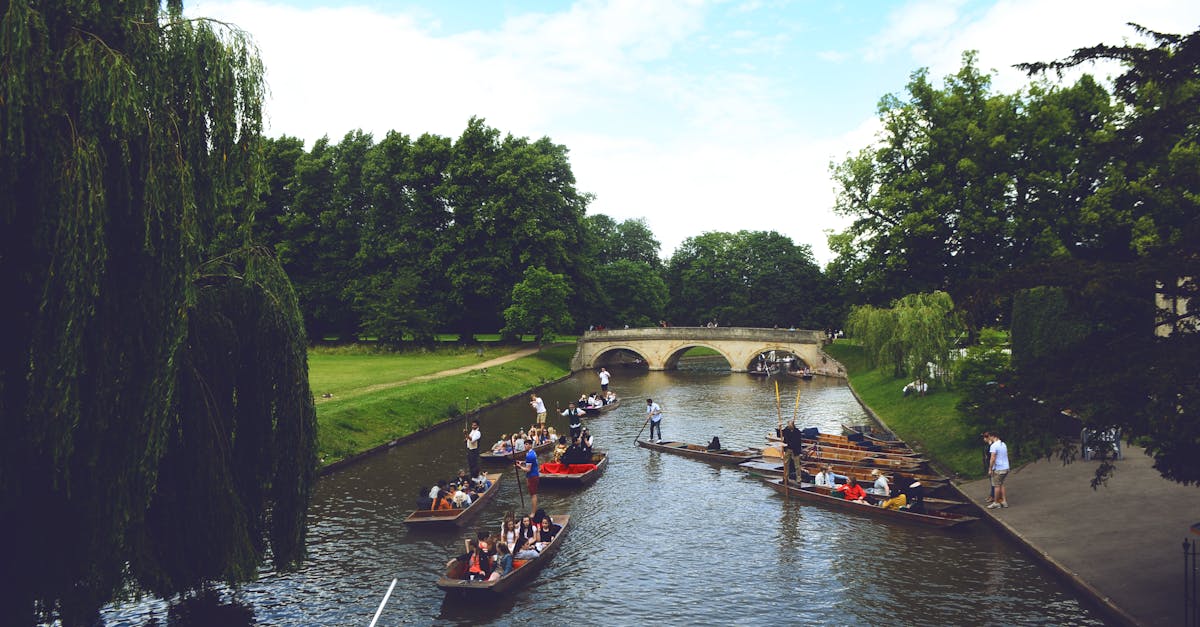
x=662 y=347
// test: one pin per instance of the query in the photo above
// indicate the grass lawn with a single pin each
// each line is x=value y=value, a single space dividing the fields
x=340 y=370
x=353 y=423
x=930 y=422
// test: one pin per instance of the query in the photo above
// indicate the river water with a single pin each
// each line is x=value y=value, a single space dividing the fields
x=658 y=539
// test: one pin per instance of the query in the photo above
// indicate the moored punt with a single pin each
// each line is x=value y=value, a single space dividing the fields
x=811 y=492
x=555 y=474
x=522 y=572
x=828 y=439
x=499 y=458
x=884 y=454
x=868 y=435
x=773 y=468
x=696 y=451
x=861 y=458
x=455 y=517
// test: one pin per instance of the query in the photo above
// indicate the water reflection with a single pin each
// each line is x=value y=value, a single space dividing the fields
x=657 y=539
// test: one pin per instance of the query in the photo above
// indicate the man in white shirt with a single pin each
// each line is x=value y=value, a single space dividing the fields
x=472 y=439
x=604 y=377
x=654 y=413
x=539 y=408
x=998 y=469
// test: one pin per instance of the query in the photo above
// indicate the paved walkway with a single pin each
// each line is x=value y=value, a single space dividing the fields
x=1122 y=542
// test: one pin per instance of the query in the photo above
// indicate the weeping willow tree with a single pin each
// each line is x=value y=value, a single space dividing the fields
x=156 y=426
x=918 y=330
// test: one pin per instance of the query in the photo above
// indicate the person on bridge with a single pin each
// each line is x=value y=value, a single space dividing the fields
x=654 y=413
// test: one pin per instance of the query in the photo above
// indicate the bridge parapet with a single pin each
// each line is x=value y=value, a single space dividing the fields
x=661 y=347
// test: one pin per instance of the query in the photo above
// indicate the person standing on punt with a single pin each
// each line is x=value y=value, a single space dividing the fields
x=654 y=413
x=532 y=476
x=472 y=440
x=539 y=408
x=998 y=470
x=604 y=377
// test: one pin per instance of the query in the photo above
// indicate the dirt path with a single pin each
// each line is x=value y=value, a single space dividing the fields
x=524 y=352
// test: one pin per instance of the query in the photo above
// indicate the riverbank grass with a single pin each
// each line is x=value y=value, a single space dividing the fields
x=356 y=422
x=930 y=423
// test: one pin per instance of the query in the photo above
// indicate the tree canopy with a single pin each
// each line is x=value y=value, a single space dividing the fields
x=158 y=426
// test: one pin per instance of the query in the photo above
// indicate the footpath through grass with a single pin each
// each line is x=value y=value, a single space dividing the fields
x=929 y=422
x=355 y=420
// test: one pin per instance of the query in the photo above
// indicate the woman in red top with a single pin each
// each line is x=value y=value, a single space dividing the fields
x=851 y=491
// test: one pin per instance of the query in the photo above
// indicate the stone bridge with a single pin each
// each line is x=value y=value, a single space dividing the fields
x=661 y=348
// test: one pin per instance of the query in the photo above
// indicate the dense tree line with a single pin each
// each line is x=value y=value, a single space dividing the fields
x=1063 y=212
x=158 y=427
x=405 y=238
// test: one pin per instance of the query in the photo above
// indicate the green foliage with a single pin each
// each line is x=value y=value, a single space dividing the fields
x=636 y=292
x=749 y=278
x=919 y=330
x=158 y=426
x=539 y=305
x=1044 y=325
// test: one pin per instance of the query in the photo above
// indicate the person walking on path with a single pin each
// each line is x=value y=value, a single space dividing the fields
x=472 y=440
x=604 y=377
x=654 y=413
x=539 y=408
x=532 y=476
x=998 y=470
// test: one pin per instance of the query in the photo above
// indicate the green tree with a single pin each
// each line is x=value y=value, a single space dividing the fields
x=637 y=293
x=539 y=305
x=158 y=426
x=915 y=336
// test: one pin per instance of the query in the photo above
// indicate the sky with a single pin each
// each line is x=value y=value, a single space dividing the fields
x=695 y=115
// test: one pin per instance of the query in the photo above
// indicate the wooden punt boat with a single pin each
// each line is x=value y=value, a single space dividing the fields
x=841 y=441
x=595 y=469
x=489 y=457
x=773 y=468
x=861 y=458
x=523 y=570
x=603 y=409
x=837 y=448
x=696 y=451
x=870 y=436
x=441 y=518
x=814 y=493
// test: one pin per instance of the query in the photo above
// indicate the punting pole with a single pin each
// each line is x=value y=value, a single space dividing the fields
x=384 y=602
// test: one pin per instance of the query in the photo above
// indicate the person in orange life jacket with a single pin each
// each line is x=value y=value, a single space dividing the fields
x=851 y=491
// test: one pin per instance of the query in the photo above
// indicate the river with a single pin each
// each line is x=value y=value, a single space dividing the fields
x=658 y=539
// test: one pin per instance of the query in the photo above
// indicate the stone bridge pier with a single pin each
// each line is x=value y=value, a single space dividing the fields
x=661 y=348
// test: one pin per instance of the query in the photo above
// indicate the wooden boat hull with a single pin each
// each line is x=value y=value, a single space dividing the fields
x=451 y=583
x=810 y=492
x=695 y=451
x=576 y=479
x=444 y=518
x=492 y=458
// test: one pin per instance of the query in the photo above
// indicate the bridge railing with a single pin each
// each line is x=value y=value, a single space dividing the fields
x=804 y=336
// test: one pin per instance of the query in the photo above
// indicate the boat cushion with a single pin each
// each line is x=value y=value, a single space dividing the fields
x=555 y=468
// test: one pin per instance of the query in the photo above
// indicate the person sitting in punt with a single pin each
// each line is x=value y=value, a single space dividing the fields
x=576 y=455
x=508 y=530
x=609 y=397
x=560 y=449
x=479 y=563
x=503 y=446
x=715 y=445
x=518 y=442
x=851 y=491
x=424 y=501
x=527 y=535
x=914 y=495
x=586 y=441
x=503 y=564
x=546 y=532
x=480 y=483
x=461 y=498
x=460 y=479
x=881 y=487
x=441 y=499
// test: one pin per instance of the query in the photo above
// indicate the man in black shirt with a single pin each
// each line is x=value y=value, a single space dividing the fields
x=793 y=448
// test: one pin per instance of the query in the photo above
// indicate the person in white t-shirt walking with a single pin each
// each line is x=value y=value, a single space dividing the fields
x=998 y=470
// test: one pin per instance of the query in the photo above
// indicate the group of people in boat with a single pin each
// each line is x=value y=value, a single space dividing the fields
x=518 y=442
x=575 y=450
x=490 y=555
x=457 y=493
x=595 y=400
x=908 y=493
